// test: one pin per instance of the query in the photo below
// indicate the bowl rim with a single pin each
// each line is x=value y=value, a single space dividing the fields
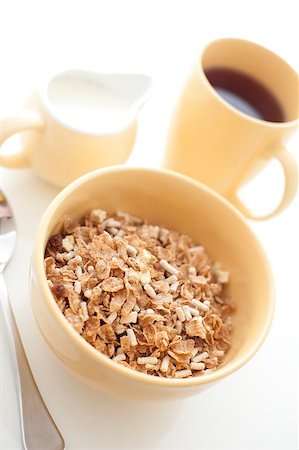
x=126 y=372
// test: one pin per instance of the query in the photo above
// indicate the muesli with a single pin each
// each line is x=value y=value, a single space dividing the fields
x=144 y=295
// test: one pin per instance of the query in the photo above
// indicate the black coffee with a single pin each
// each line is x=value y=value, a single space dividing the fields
x=246 y=94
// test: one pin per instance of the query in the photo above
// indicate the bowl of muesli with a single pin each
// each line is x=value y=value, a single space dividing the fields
x=148 y=284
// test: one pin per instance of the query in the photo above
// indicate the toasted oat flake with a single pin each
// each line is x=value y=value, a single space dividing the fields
x=144 y=277
x=131 y=250
x=198 y=279
x=112 y=230
x=192 y=271
x=132 y=337
x=130 y=318
x=112 y=284
x=112 y=223
x=68 y=243
x=194 y=351
x=112 y=317
x=146 y=256
x=129 y=218
x=119 y=357
x=172 y=279
x=183 y=373
x=195 y=327
x=222 y=276
x=144 y=295
x=74 y=319
x=98 y=215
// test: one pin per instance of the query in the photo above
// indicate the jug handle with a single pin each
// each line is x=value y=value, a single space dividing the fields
x=25 y=120
x=290 y=172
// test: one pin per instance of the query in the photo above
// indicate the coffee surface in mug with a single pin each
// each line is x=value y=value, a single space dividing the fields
x=245 y=93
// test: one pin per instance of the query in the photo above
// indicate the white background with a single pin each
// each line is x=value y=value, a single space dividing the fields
x=256 y=407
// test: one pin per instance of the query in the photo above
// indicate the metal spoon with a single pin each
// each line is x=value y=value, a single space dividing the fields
x=39 y=431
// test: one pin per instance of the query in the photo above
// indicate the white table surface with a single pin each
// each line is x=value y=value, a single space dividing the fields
x=255 y=408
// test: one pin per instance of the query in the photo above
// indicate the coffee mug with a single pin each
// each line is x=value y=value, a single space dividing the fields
x=238 y=107
x=76 y=122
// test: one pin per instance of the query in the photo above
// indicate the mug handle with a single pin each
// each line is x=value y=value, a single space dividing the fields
x=25 y=120
x=290 y=171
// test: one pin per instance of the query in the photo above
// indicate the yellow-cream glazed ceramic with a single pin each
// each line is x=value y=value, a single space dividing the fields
x=217 y=144
x=60 y=152
x=164 y=198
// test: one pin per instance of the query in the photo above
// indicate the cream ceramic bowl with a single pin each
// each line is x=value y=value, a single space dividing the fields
x=176 y=201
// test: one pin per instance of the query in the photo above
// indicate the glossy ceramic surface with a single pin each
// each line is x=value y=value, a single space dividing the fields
x=58 y=152
x=167 y=198
x=217 y=144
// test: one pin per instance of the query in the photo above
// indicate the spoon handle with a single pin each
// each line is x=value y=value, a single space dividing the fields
x=39 y=431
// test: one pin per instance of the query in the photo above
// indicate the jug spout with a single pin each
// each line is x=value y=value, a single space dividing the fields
x=138 y=89
x=96 y=102
x=134 y=87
